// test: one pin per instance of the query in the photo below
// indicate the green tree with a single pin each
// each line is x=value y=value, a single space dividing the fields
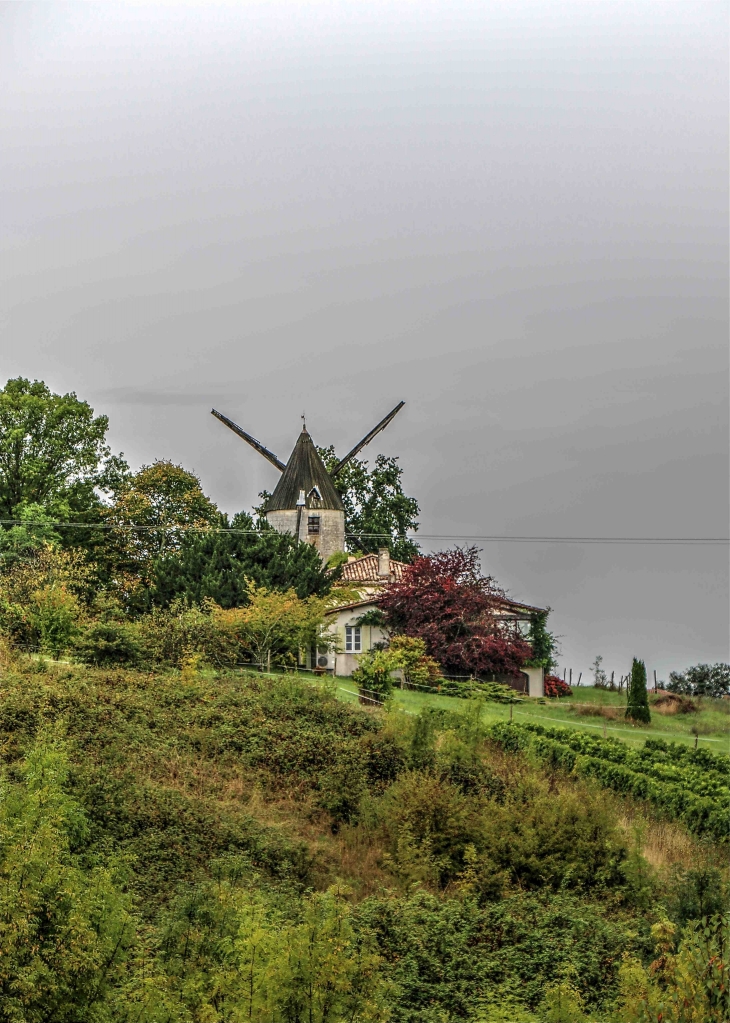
x=162 y=500
x=53 y=452
x=377 y=512
x=65 y=931
x=151 y=514
x=277 y=625
x=544 y=644
x=637 y=700
x=220 y=565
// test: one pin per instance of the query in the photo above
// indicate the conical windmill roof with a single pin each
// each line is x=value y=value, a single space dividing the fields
x=304 y=471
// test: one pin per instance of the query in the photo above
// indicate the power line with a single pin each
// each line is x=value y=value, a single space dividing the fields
x=650 y=540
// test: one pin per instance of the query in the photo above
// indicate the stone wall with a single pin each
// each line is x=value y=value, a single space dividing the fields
x=331 y=536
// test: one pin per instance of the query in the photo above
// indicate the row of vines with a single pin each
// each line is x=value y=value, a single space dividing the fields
x=688 y=785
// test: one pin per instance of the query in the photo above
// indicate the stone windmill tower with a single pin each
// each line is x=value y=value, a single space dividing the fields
x=305 y=501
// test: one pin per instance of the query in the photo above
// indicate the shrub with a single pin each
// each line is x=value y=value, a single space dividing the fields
x=374 y=672
x=556 y=687
x=418 y=668
x=65 y=928
x=689 y=986
x=54 y=614
x=107 y=643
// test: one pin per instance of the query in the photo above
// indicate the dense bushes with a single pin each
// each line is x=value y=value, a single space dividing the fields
x=498 y=883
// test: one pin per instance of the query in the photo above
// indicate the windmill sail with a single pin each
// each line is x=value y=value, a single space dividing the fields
x=268 y=455
x=366 y=439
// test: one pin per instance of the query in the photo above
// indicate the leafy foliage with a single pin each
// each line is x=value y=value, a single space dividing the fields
x=556 y=687
x=544 y=644
x=444 y=600
x=53 y=453
x=234 y=953
x=377 y=512
x=66 y=929
x=42 y=598
x=153 y=509
x=418 y=668
x=689 y=986
x=374 y=672
x=220 y=565
x=701 y=680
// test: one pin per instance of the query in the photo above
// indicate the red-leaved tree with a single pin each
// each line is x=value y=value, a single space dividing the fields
x=445 y=600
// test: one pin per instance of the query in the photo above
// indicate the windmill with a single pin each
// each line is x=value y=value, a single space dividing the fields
x=305 y=501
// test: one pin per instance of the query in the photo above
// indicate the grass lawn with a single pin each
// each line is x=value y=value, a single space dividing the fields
x=712 y=720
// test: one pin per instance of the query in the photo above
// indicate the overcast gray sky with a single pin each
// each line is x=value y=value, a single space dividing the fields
x=511 y=215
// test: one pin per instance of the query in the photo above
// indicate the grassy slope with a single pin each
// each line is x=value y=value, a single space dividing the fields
x=712 y=721
x=175 y=772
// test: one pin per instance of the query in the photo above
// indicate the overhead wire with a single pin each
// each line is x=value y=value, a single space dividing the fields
x=482 y=538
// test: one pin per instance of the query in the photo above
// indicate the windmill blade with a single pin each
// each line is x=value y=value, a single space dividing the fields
x=268 y=455
x=366 y=440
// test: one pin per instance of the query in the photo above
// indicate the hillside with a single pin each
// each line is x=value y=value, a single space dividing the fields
x=224 y=846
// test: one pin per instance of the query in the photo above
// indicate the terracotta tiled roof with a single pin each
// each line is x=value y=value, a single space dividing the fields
x=365 y=570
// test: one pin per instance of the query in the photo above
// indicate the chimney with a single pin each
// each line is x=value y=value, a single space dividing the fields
x=384 y=563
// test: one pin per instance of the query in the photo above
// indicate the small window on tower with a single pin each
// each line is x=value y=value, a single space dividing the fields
x=314 y=494
x=313 y=524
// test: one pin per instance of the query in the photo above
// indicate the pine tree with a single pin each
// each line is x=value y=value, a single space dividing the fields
x=637 y=701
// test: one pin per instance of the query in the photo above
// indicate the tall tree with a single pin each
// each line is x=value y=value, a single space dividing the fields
x=151 y=515
x=53 y=452
x=377 y=512
x=637 y=700
x=445 y=600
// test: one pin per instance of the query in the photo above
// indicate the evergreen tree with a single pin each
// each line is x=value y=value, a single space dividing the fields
x=220 y=565
x=637 y=701
x=544 y=644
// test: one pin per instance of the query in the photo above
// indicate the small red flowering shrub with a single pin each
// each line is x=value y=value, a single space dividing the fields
x=555 y=686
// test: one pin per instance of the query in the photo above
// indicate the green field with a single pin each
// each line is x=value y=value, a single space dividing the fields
x=712 y=720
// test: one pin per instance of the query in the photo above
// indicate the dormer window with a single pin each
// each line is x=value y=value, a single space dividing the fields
x=314 y=495
x=313 y=525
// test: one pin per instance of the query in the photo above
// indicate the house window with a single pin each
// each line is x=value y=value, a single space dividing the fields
x=313 y=524
x=353 y=641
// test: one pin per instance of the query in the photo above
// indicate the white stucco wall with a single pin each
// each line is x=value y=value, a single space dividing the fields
x=344 y=663
x=536 y=681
